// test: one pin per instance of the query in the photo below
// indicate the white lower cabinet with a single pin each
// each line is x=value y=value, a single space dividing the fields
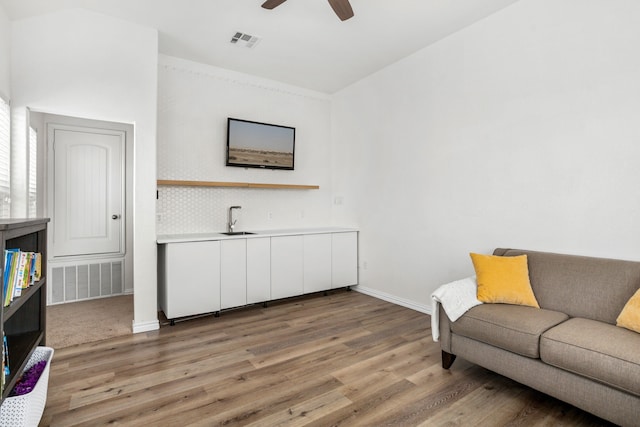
x=286 y=266
x=258 y=270
x=189 y=278
x=317 y=263
x=198 y=277
x=233 y=273
x=344 y=259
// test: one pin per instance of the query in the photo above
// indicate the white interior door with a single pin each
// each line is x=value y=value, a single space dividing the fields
x=88 y=191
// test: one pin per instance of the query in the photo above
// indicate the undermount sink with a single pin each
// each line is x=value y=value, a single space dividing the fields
x=237 y=233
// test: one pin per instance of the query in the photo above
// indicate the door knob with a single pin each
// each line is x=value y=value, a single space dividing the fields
x=115 y=216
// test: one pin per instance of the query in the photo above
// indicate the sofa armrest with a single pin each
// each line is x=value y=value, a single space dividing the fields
x=445 y=339
x=445 y=330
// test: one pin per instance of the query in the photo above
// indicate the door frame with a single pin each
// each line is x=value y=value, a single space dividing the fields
x=44 y=121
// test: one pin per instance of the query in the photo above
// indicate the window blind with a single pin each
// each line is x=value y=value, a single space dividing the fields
x=33 y=172
x=5 y=158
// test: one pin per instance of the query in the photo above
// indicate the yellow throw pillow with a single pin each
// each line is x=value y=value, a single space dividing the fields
x=630 y=315
x=503 y=279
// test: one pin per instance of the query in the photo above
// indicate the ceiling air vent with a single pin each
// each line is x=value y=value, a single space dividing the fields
x=242 y=39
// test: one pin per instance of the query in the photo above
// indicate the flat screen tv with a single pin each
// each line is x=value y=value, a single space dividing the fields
x=260 y=145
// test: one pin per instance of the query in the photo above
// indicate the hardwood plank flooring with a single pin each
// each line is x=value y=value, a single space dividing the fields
x=345 y=359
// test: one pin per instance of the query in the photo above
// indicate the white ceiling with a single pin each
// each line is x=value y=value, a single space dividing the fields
x=302 y=42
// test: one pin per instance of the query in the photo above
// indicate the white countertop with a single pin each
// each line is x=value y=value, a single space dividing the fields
x=200 y=237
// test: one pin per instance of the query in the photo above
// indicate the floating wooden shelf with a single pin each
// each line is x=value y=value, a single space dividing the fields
x=235 y=184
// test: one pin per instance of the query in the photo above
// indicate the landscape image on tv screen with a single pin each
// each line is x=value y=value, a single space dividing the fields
x=261 y=145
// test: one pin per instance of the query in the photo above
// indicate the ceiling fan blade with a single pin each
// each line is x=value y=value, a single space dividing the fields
x=270 y=4
x=342 y=8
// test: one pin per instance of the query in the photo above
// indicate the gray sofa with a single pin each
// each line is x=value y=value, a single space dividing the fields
x=570 y=348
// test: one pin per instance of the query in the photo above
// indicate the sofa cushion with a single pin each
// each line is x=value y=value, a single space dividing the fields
x=515 y=328
x=503 y=279
x=595 y=350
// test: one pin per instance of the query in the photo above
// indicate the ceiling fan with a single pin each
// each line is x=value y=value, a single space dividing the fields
x=342 y=8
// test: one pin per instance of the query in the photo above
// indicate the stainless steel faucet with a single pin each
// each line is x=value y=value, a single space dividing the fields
x=232 y=222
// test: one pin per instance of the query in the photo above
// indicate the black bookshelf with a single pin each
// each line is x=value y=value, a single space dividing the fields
x=24 y=321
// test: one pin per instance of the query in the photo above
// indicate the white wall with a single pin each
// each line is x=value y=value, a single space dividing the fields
x=194 y=101
x=519 y=131
x=5 y=54
x=83 y=64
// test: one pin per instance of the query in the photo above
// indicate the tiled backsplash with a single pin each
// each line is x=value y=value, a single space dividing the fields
x=204 y=209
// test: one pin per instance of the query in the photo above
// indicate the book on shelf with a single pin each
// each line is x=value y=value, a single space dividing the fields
x=21 y=270
x=22 y=265
x=36 y=268
x=5 y=362
x=10 y=267
x=8 y=256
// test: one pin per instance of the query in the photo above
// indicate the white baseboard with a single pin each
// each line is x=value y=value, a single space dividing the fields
x=393 y=299
x=155 y=324
x=145 y=326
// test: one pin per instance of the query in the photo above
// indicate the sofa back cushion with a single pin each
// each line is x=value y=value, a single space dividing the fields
x=588 y=287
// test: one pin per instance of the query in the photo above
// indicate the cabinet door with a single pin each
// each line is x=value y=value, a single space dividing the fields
x=344 y=259
x=317 y=262
x=191 y=278
x=286 y=266
x=233 y=273
x=258 y=270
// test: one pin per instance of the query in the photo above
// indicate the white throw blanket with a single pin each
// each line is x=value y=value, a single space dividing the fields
x=456 y=298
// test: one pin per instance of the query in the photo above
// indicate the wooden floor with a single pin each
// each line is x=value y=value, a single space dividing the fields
x=345 y=359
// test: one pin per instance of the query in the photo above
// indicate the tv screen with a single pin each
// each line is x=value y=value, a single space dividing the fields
x=260 y=145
